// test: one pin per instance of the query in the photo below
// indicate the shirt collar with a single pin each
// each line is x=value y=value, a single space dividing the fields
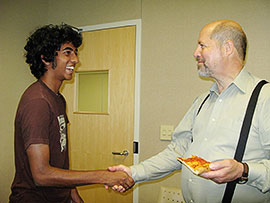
x=239 y=82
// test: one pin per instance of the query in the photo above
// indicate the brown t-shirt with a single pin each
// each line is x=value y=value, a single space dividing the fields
x=40 y=119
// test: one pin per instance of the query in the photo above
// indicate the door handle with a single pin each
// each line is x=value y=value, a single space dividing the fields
x=124 y=153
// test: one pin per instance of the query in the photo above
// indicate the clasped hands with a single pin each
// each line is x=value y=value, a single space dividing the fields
x=123 y=184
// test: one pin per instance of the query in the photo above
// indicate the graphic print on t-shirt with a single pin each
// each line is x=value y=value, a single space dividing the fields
x=63 y=132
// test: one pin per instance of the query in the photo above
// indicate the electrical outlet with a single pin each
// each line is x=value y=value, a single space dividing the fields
x=166 y=132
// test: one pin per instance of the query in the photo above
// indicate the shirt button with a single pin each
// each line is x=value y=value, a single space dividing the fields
x=205 y=139
x=220 y=100
x=213 y=119
x=191 y=201
x=190 y=180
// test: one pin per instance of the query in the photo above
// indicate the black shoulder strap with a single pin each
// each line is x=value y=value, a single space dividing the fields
x=239 y=153
x=201 y=108
x=202 y=104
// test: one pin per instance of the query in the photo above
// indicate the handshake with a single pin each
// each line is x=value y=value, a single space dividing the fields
x=120 y=179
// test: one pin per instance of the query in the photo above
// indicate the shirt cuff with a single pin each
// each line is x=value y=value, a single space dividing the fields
x=138 y=173
x=256 y=175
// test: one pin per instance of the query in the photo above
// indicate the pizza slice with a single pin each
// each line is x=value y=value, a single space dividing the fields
x=196 y=164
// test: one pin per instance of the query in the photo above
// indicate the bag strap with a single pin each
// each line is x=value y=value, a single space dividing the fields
x=239 y=153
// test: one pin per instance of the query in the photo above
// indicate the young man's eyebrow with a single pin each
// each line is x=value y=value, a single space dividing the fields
x=69 y=48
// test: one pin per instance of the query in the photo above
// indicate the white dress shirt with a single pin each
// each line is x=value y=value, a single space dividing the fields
x=213 y=135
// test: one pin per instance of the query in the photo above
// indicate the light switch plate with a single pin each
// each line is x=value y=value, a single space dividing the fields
x=166 y=132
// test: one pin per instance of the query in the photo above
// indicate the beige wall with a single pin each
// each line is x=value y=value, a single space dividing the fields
x=169 y=80
x=17 y=19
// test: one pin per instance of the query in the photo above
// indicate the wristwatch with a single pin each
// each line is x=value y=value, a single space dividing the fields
x=244 y=178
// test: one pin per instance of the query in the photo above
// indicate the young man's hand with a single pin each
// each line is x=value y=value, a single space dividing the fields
x=120 y=187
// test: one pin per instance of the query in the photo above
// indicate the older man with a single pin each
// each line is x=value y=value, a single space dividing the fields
x=213 y=132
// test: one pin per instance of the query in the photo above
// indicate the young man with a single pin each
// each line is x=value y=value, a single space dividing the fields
x=41 y=144
x=213 y=133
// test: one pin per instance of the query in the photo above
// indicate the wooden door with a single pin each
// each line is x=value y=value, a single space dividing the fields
x=92 y=136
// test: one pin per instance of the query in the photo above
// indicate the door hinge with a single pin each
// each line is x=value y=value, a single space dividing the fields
x=135 y=147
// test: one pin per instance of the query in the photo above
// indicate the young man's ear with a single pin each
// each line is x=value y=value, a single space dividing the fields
x=46 y=63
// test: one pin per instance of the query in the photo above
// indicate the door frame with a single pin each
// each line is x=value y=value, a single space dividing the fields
x=137 y=24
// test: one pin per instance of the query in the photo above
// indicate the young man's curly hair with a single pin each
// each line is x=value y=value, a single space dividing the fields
x=45 y=41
